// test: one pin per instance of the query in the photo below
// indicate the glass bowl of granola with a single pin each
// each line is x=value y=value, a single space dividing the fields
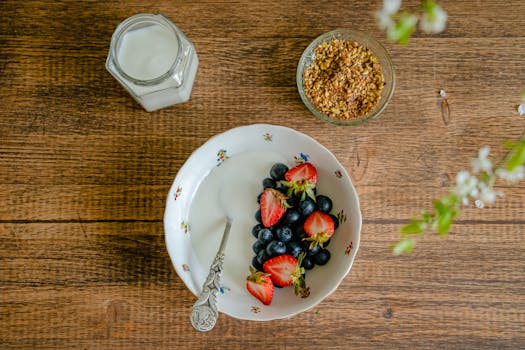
x=345 y=77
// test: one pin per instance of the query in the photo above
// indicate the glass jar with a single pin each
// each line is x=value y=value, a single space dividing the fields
x=153 y=60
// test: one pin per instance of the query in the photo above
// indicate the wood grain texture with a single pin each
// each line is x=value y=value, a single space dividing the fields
x=84 y=172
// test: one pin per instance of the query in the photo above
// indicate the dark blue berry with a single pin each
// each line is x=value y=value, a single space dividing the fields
x=316 y=249
x=306 y=207
x=290 y=217
x=284 y=234
x=275 y=248
x=300 y=234
x=335 y=220
x=294 y=249
x=307 y=263
x=278 y=170
x=256 y=229
x=257 y=246
x=256 y=264
x=269 y=183
x=322 y=257
x=324 y=203
x=265 y=235
x=262 y=257
x=258 y=216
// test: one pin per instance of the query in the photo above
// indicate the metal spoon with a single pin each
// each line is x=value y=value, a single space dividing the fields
x=204 y=313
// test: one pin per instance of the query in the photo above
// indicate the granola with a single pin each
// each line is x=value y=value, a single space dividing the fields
x=344 y=81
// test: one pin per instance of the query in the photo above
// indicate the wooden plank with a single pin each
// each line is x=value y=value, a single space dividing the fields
x=57 y=288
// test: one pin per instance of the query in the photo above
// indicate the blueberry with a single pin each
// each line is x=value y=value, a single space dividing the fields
x=322 y=257
x=278 y=170
x=265 y=235
x=290 y=217
x=284 y=234
x=258 y=216
x=258 y=245
x=262 y=257
x=300 y=234
x=307 y=263
x=275 y=248
x=324 y=203
x=256 y=229
x=314 y=250
x=306 y=207
x=282 y=188
x=335 y=220
x=269 y=183
x=294 y=249
x=256 y=264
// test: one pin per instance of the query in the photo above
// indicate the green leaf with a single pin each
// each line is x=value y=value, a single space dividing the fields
x=450 y=200
x=441 y=207
x=427 y=217
x=403 y=29
x=414 y=227
x=516 y=157
x=445 y=221
x=429 y=7
x=403 y=246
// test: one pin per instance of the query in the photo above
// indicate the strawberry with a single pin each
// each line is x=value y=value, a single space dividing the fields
x=260 y=286
x=301 y=179
x=273 y=206
x=319 y=227
x=285 y=270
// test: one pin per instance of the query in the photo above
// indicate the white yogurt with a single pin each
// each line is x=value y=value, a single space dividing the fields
x=230 y=189
x=148 y=52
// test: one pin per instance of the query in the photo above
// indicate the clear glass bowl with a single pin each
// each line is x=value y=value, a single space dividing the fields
x=377 y=49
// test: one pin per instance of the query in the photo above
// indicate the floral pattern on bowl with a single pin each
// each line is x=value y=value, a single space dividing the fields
x=187 y=249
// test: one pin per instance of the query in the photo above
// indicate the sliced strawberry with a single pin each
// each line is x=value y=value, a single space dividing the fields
x=273 y=206
x=285 y=270
x=319 y=227
x=301 y=180
x=260 y=286
x=301 y=172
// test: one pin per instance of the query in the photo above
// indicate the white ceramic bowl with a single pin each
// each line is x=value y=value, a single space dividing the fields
x=194 y=216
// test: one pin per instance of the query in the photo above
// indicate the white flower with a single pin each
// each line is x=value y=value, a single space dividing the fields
x=521 y=109
x=391 y=6
x=466 y=185
x=482 y=163
x=384 y=16
x=434 y=20
x=511 y=176
x=488 y=194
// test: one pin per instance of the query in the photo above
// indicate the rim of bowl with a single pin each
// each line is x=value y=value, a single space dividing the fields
x=360 y=37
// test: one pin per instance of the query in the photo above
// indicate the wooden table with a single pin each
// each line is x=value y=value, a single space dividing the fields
x=84 y=172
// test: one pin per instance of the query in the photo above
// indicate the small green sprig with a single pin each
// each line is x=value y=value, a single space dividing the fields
x=478 y=186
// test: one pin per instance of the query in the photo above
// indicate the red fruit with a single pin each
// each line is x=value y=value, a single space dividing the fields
x=260 y=286
x=302 y=172
x=281 y=269
x=319 y=227
x=273 y=206
x=301 y=179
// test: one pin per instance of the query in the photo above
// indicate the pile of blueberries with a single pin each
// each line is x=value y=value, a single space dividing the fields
x=287 y=236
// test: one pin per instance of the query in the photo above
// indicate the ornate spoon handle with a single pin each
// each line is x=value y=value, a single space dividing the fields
x=204 y=313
